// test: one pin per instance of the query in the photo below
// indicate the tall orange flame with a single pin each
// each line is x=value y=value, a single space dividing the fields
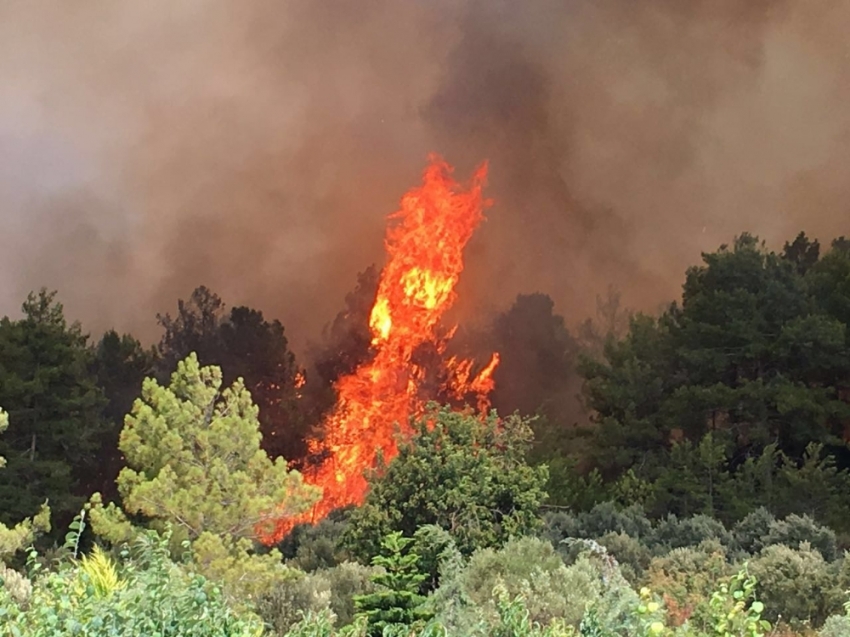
x=424 y=243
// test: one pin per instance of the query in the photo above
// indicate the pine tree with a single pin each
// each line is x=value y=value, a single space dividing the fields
x=194 y=464
x=55 y=406
x=14 y=539
x=397 y=603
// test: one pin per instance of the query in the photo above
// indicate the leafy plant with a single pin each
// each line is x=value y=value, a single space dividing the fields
x=150 y=596
x=465 y=474
x=736 y=611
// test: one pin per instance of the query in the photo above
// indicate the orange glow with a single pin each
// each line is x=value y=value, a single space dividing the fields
x=424 y=244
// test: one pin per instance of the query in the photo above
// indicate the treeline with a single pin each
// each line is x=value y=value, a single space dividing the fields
x=736 y=397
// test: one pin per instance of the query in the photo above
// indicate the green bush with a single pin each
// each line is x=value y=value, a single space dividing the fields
x=17 y=585
x=632 y=556
x=749 y=532
x=457 y=471
x=529 y=568
x=797 y=529
x=796 y=584
x=686 y=577
x=607 y=517
x=836 y=626
x=310 y=547
x=332 y=590
x=673 y=533
x=146 y=594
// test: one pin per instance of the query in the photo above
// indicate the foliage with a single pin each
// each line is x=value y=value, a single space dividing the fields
x=396 y=602
x=837 y=625
x=471 y=596
x=796 y=530
x=749 y=533
x=309 y=547
x=22 y=534
x=195 y=464
x=146 y=595
x=120 y=364
x=735 y=609
x=464 y=474
x=796 y=584
x=672 y=532
x=55 y=406
x=346 y=344
x=686 y=578
x=332 y=589
x=17 y=586
x=741 y=382
x=605 y=517
x=537 y=369
x=632 y=556
x=244 y=345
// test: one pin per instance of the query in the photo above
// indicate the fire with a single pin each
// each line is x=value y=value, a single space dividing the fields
x=424 y=244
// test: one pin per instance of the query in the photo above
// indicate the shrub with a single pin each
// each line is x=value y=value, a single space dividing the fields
x=797 y=529
x=749 y=532
x=17 y=585
x=434 y=545
x=686 y=577
x=632 y=556
x=529 y=568
x=143 y=596
x=310 y=547
x=796 y=584
x=332 y=590
x=464 y=474
x=607 y=517
x=673 y=532
x=836 y=626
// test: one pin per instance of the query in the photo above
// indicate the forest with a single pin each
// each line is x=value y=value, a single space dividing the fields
x=683 y=473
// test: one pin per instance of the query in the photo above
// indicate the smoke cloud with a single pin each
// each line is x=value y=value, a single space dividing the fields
x=256 y=147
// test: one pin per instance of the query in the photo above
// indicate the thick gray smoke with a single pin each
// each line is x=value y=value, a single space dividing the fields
x=256 y=146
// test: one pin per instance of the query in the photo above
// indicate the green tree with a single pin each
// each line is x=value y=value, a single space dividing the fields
x=802 y=252
x=396 y=603
x=194 y=464
x=244 y=345
x=536 y=372
x=829 y=282
x=120 y=365
x=465 y=474
x=756 y=354
x=55 y=404
x=18 y=537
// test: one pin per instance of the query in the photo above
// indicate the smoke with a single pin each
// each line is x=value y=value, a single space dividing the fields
x=256 y=147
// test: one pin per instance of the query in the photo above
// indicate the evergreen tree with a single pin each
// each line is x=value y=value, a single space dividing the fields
x=244 y=345
x=756 y=357
x=748 y=355
x=52 y=397
x=18 y=537
x=194 y=464
x=396 y=604
x=120 y=364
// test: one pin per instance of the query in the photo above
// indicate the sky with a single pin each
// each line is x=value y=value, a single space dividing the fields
x=257 y=147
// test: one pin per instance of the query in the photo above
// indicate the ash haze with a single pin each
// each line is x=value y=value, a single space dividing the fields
x=257 y=146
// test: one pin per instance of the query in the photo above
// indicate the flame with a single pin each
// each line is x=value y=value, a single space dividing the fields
x=424 y=243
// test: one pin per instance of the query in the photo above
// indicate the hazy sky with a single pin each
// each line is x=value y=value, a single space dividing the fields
x=257 y=146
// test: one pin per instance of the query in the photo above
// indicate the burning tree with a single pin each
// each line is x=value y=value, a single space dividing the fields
x=424 y=243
